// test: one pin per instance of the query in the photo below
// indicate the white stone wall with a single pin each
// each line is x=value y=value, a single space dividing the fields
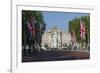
x=66 y=37
x=63 y=37
x=46 y=39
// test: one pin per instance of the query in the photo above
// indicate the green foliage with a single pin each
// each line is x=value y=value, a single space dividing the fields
x=40 y=25
x=75 y=25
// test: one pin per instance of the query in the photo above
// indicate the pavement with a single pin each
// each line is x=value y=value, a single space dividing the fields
x=55 y=55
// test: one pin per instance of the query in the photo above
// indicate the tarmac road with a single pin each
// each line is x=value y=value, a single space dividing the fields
x=55 y=55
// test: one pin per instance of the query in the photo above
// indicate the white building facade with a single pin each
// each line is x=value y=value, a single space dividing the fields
x=55 y=38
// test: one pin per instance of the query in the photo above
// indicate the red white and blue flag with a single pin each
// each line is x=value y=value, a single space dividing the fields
x=82 y=30
x=73 y=37
x=31 y=28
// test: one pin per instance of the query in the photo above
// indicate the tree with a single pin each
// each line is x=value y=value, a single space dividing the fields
x=39 y=25
x=75 y=25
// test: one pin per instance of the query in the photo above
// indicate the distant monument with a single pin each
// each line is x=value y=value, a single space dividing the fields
x=56 y=38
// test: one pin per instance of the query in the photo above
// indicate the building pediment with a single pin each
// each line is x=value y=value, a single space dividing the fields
x=54 y=29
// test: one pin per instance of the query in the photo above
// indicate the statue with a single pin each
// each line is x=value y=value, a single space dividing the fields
x=55 y=38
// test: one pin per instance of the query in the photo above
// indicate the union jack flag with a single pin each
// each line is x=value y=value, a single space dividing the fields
x=31 y=28
x=73 y=36
x=82 y=30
